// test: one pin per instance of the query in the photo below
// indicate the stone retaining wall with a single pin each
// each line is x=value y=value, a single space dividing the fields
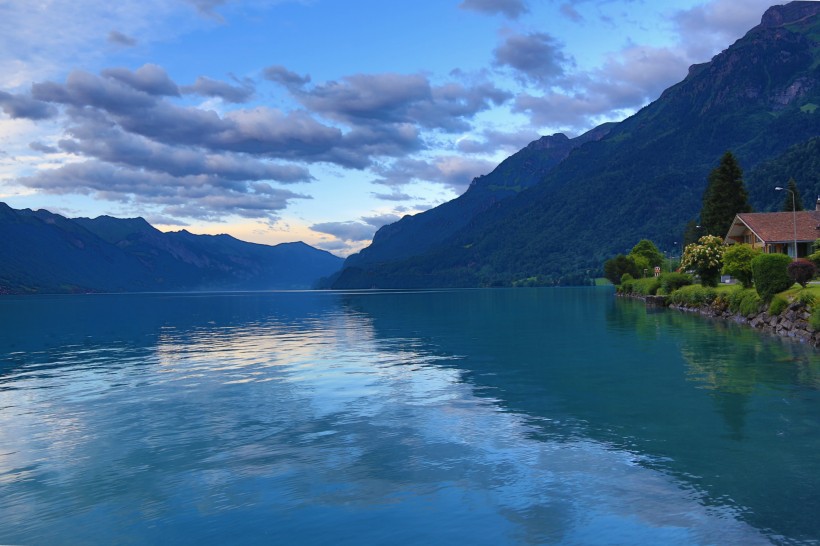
x=792 y=323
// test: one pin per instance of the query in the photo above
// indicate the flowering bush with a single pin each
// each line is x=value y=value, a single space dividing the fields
x=706 y=258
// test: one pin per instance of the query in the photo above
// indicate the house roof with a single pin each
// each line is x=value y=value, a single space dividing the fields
x=777 y=227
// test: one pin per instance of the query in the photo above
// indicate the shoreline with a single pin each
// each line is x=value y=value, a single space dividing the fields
x=792 y=323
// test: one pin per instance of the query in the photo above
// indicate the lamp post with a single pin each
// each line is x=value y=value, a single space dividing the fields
x=794 y=216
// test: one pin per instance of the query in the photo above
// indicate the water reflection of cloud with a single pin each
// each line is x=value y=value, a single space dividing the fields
x=321 y=424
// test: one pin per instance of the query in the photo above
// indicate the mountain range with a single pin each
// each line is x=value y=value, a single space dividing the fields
x=554 y=211
x=42 y=252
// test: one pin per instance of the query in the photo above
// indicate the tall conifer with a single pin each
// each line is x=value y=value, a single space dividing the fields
x=787 y=201
x=724 y=197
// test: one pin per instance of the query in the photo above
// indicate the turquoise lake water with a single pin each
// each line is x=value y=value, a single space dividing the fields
x=531 y=416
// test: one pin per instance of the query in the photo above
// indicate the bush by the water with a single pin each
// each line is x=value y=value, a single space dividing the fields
x=814 y=320
x=693 y=295
x=778 y=305
x=745 y=301
x=672 y=281
x=771 y=274
x=640 y=287
x=801 y=271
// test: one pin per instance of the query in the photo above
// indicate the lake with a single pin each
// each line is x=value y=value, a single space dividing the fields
x=528 y=416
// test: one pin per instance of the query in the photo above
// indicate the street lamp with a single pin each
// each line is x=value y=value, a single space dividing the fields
x=794 y=216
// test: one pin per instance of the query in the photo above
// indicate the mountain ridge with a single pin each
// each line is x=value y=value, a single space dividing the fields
x=644 y=178
x=43 y=252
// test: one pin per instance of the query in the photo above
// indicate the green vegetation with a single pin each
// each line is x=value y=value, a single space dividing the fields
x=814 y=320
x=647 y=250
x=792 y=197
x=778 y=305
x=725 y=196
x=771 y=274
x=737 y=262
x=744 y=301
x=673 y=281
x=706 y=258
x=695 y=295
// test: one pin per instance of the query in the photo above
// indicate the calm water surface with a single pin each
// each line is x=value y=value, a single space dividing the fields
x=472 y=417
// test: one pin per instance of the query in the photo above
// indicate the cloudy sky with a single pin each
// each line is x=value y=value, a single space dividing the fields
x=316 y=120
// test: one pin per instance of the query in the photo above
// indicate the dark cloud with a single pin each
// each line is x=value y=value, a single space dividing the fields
x=708 y=28
x=453 y=171
x=346 y=231
x=281 y=75
x=22 y=106
x=569 y=11
x=117 y=37
x=212 y=88
x=206 y=8
x=537 y=56
x=40 y=147
x=258 y=131
x=510 y=8
x=380 y=220
x=366 y=99
x=493 y=141
x=626 y=82
x=393 y=196
x=203 y=196
x=113 y=145
x=150 y=78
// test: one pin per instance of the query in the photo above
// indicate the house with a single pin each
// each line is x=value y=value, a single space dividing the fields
x=776 y=232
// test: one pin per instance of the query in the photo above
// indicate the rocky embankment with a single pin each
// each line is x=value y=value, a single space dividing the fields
x=792 y=323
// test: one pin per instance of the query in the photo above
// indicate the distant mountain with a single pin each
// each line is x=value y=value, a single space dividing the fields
x=41 y=252
x=413 y=235
x=641 y=178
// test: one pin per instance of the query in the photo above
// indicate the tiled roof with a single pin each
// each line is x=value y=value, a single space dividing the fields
x=779 y=226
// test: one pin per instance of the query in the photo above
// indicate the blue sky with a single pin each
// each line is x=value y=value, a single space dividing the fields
x=316 y=120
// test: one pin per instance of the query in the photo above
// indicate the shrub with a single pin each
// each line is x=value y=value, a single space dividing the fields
x=646 y=287
x=693 y=295
x=806 y=298
x=814 y=319
x=706 y=258
x=737 y=262
x=771 y=274
x=672 y=281
x=778 y=305
x=745 y=301
x=801 y=271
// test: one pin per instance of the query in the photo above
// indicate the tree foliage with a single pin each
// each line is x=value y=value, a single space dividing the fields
x=725 y=196
x=706 y=258
x=616 y=267
x=792 y=197
x=737 y=262
x=647 y=249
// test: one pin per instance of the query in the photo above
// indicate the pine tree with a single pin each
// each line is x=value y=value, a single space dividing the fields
x=724 y=197
x=787 y=202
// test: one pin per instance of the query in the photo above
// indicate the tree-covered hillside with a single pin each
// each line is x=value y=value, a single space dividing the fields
x=646 y=177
